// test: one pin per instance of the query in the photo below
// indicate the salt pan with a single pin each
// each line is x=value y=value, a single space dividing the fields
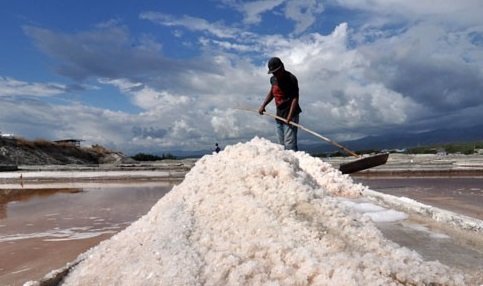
x=375 y=212
x=255 y=214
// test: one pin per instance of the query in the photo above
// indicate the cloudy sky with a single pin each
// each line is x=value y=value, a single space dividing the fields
x=158 y=76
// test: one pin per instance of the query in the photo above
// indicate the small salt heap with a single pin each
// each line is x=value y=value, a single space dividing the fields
x=256 y=214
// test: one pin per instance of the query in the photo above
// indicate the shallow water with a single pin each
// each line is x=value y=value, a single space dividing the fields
x=462 y=195
x=42 y=229
x=456 y=250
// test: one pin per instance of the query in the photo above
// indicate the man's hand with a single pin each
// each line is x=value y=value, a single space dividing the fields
x=261 y=110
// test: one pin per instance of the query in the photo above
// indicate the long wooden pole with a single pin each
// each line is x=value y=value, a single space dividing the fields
x=305 y=129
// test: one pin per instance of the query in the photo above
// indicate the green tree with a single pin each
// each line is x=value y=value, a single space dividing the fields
x=150 y=157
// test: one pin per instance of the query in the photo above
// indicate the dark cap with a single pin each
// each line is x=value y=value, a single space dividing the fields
x=274 y=64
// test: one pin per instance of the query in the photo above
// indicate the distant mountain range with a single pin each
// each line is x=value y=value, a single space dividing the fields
x=388 y=141
x=404 y=140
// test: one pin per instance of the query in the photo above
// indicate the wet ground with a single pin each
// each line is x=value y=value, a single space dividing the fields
x=433 y=240
x=463 y=195
x=43 y=229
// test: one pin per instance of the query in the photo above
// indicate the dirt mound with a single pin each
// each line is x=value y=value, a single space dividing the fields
x=18 y=151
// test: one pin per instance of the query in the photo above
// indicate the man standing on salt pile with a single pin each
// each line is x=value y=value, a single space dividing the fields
x=285 y=90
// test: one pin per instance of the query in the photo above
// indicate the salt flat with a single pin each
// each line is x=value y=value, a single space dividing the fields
x=267 y=172
x=256 y=214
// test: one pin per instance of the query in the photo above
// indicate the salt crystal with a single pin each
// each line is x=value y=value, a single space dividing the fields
x=257 y=214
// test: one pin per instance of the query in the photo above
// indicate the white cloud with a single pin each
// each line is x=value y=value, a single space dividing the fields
x=10 y=87
x=54 y=122
x=380 y=13
x=253 y=10
x=434 y=66
x=191 y=23
x=148 y=98
x=400 y=68
x=303 y=12
x=106 y=52
x=196 y=108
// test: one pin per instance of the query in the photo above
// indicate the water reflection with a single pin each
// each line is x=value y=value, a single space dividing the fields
x=54 y=213
x=18 y=195
x=43 y=228
x=37 y=210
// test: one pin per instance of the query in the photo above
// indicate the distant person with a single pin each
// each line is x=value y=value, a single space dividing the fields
x=217 y=149
x=285 y=89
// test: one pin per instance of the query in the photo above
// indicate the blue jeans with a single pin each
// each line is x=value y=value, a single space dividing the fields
x=287 y=134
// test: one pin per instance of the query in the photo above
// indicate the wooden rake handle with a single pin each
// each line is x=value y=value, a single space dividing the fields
x=305 y=129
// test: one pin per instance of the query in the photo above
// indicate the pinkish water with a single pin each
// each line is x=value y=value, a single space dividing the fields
x=463 y=195
x=43 y=229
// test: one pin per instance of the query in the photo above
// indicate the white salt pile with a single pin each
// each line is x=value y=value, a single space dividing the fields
x=255 y=214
